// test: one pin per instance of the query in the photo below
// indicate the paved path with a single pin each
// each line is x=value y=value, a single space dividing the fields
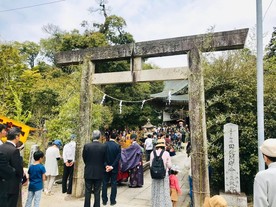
x=126 y=197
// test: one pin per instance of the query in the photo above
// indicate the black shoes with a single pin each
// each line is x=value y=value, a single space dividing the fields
x=113 y=203
x=137 y=186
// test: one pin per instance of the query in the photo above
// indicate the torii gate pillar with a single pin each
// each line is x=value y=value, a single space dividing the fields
x=198 y=129
x=86 y=100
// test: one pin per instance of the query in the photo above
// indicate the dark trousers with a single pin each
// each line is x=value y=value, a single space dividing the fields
x=3 y=201
x=113 y=180
x=96 y=184
x=148 y=154
x=12 y=200
x=67 y=174
x=7 y=199
x=3 y=193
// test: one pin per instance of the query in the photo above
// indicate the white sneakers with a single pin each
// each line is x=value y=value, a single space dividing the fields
x=48 y=193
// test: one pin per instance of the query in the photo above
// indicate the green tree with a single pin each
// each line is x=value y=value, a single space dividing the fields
x=270 y=87
x=11 y=68
x=230 y=90
x=29 y=50
x=271 y=47
x=113 y=29
x=113 y=26
x=74 y=40
x=20 y=114
x=66 y=122
x=132 y=95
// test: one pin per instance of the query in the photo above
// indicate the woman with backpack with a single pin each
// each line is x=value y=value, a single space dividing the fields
x=160 y=191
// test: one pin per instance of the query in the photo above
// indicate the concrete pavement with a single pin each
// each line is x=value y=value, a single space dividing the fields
x=136 y=197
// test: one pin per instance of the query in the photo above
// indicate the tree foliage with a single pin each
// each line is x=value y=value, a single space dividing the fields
x=271 y=47
x=113 y=29
x=132 y=95
x=11 y=68
x=29 y=50
x=270 y=93
x=230 y=84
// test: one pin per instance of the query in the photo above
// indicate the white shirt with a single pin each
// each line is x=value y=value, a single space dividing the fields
x=148 y=144
x=69 y=151
x=265 y=187
x=51 y=165
x=11 y=142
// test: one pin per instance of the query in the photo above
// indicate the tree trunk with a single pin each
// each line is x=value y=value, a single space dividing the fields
x=199 y=163
x=86 y=99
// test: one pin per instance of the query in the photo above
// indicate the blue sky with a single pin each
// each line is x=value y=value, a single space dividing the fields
x=146 y=19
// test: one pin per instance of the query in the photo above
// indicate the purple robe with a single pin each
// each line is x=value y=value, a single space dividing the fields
x=131 y=158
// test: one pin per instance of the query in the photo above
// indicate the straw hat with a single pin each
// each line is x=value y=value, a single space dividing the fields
x=160 y=143
x=268 y=147
x=215 y=201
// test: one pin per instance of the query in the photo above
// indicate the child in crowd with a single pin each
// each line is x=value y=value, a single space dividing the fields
x=174 y=185
x=36 y=177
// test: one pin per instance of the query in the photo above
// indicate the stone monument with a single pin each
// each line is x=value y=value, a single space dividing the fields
x=232 y=194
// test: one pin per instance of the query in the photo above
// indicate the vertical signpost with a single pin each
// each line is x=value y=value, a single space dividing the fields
x=231 y=158
x=232 y=186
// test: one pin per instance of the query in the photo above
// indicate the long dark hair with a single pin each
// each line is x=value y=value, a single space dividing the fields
x=161 y=147
x=174 y=172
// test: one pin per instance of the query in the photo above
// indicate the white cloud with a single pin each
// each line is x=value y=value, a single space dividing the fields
x=146 y=20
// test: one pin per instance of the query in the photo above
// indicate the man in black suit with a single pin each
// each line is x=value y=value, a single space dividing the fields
x=94 y=157
x=111 y=165
x=13 y=157
x=5 y=174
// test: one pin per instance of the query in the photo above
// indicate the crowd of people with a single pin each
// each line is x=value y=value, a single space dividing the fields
x=12 y=175
x=118 y=158
x=122 y=159
x=102 y=165
x=112 y=158
x=126 y=151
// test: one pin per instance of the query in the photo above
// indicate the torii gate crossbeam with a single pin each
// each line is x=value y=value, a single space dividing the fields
x=218 y=41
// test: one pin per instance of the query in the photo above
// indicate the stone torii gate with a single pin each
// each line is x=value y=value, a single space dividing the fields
x=135 y=52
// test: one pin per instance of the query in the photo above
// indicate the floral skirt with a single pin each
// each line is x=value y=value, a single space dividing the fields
x=160 y=193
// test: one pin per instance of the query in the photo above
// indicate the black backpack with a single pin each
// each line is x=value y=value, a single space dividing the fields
x=157 y=169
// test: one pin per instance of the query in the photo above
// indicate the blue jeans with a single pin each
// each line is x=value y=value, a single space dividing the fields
x=113 y=180
x=33 y=195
